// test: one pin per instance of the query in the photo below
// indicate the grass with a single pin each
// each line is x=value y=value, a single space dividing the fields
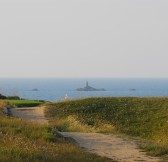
x=24 y=141
x=145 y=118
x=25 y=103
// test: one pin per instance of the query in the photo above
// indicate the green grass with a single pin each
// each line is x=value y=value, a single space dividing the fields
x=25 y=103
x=23 y=141
x=146 y=118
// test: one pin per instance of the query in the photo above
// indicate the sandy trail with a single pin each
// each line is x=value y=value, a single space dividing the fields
x=33 y=114
x=112 y=146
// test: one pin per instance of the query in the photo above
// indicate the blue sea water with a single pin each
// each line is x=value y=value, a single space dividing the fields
x=56 y=89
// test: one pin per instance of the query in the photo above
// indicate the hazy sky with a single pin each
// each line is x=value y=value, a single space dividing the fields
x=83 y=38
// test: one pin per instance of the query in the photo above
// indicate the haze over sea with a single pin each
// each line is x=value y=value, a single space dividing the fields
x=56 y=89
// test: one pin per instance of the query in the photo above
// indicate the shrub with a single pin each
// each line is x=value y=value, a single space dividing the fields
x=2 y=96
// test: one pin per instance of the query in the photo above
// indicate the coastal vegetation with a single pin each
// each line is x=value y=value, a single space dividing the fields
x=25 y=103
x=19 y=102
x=2 y=97
x=31 y=142
x=143 y=118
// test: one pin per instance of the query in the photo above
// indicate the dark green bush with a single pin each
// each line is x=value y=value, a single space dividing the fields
x=2 y=97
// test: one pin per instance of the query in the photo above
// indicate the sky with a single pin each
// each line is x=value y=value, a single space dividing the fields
x=84 y=38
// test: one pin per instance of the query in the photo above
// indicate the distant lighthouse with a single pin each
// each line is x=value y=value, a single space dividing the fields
x=89 y=88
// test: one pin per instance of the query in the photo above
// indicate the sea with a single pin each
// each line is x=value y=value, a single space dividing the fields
x=56 y=89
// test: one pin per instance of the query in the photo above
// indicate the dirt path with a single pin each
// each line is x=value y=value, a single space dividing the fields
x=111 y=146
x=34 y=114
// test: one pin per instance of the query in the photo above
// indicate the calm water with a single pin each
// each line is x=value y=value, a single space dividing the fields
x=55 y=89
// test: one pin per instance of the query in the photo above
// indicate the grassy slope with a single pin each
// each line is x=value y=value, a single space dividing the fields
x=146 y=118
x=25 y=103
x=23 y=141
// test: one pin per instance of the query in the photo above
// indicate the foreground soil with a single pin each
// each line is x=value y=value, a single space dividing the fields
x=112 y=146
